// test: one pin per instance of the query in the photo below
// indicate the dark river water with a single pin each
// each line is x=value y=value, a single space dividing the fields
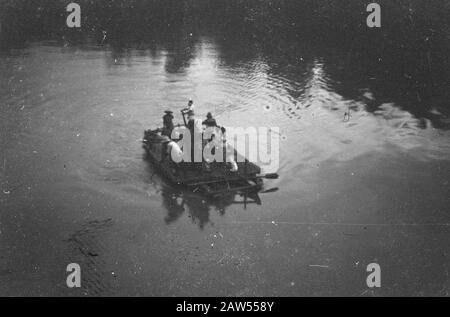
x=74 y=187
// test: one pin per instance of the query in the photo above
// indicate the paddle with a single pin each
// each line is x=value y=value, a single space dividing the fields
x=271 y=190
x=220 y=180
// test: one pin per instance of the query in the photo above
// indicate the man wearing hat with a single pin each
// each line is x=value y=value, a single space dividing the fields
x=167 y=123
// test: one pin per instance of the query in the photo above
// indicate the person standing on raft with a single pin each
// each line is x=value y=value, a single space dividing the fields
x=167 y=123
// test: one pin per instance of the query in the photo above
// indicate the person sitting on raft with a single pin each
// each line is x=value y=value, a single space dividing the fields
x=210 y=122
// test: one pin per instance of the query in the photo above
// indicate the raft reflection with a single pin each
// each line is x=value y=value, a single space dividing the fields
x=179 y=201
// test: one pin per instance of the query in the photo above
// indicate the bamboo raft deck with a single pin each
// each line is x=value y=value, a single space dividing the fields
x=217 y=180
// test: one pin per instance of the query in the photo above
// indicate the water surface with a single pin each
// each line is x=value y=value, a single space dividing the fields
x=369 y=187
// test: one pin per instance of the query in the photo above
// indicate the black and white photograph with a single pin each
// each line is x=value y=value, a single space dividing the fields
x=238 y=150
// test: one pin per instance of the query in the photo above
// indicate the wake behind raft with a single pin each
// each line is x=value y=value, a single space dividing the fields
x=214 y=179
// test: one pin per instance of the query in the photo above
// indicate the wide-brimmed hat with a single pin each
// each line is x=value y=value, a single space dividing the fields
x=168 y=111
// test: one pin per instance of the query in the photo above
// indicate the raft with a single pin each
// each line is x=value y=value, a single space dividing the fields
x=215 y=181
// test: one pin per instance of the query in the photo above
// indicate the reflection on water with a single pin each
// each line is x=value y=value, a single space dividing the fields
x=72 y=120
x=178 y=201
x=327 y=126
x=198 y=207
x=88 y=106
